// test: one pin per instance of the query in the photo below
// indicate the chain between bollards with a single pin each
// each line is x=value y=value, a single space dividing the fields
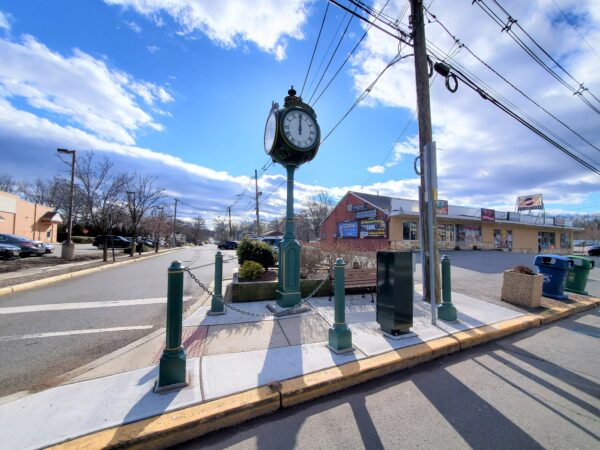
x=172 y=368
x=340 y=336
x=446 y=311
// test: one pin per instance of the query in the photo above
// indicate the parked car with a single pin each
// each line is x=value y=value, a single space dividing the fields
x=273 y=242
x=9 y=251
x=227 y=245
x=49 y=247
x=117 y=241
x=27 y=246
x=594 y=250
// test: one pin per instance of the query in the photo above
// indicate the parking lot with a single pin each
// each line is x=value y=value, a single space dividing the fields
x=479 y=273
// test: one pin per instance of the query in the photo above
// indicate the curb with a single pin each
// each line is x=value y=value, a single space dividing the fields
x=191 y=422
x=39 y=283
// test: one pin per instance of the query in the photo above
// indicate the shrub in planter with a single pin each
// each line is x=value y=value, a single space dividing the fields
x=250 y=270
x=522 y=286
x=259 y=252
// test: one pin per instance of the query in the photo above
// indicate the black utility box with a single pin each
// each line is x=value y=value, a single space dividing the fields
x=395 y=292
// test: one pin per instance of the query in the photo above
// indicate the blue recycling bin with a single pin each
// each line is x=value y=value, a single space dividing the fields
x=555 y=269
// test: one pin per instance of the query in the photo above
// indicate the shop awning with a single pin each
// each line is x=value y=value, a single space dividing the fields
x=52 y=217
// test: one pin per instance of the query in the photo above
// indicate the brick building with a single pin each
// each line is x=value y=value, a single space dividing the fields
x=30 y=220
x=373 y=222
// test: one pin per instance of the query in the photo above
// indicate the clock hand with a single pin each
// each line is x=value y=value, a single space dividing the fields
x=300 y=125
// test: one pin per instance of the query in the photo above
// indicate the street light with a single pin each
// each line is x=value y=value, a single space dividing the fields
x=68 y=248
x=131 y=200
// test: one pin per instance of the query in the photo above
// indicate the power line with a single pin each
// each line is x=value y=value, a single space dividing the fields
x=315 y=48
x=332 y=56
x=347 y=57
x=463 y=45
x=486 y=96
x=581 y=89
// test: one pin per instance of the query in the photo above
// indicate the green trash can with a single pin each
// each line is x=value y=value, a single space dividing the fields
x=578 y=275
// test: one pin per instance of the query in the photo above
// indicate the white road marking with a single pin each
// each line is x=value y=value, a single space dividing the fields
x=73 y=332
x=83 y=305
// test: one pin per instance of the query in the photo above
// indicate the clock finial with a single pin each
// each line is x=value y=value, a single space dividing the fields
x=292 y=91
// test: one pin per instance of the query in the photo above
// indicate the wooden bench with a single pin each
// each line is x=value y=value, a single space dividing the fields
x=358 y=279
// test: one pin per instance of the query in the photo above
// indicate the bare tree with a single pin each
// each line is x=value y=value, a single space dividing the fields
x=100 y=192
x=8 y=184
x=143 y=195
x=317 y=209
x=221 y=229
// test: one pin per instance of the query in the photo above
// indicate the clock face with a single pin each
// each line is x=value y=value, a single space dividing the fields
x=299 y=129
x=270 y=132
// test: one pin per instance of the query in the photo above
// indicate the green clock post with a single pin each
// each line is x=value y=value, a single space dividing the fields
x=292 y=138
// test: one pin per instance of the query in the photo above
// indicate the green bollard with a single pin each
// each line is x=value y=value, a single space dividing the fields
x=446 y=311
x=340 y=336
x=217 y=305
x=172 y=370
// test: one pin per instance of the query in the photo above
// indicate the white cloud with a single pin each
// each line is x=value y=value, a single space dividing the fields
x=487 y=155
x=266 y=22
x=84 y=90
x=153 y=48
x=133 y=27
x=4 y=23
x=376 y=169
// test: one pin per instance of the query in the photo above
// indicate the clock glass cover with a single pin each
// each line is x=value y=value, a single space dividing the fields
x=270 y=131
x=299 y=129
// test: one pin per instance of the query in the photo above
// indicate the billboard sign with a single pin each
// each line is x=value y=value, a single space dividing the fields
x=347 y=230
x=367 y=214
x=441 y=207
x=529 y=202
x=372 y=228
x=361 y=207
x=488 y=215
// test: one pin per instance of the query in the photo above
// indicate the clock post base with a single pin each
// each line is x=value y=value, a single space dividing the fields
x=287 y=299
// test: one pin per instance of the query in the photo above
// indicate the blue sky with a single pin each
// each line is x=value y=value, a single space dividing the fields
x=181 y=90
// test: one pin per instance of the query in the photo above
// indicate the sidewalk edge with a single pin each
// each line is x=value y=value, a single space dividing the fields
x=53 y=279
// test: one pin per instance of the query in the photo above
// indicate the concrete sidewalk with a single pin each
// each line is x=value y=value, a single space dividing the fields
x=242 y=365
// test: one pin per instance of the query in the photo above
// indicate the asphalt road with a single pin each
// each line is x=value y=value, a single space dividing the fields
x=479 y=274
x=53 y=329
x=537 y=389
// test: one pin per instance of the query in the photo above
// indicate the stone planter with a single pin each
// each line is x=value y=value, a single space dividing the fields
x=265 y=290
x=522 y=289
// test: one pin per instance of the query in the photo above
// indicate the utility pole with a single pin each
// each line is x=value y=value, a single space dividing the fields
x=174 y=223
x=425 y=138
x=229 y=212
x=257 y=211
x=68 y=249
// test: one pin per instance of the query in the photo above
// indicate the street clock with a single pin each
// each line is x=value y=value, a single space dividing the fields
x=292 y=134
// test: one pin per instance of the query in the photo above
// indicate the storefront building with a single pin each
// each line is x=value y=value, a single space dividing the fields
x=458 y=227
x=30 y=220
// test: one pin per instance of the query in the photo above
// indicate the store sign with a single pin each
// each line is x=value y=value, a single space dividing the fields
x=347 y=230
x=488 y=215
x=368 y=214
x=372 y=228
x=529 y=202
x=361 y=207
x=442 y=207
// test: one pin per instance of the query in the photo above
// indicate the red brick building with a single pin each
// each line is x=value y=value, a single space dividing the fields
x=360 y=220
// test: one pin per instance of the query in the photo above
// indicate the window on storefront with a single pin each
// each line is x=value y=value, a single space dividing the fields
x=565 y=240
x=546 y=240
x=468 y=234
x=503 y=239
x=446 y=233
x=409 y=231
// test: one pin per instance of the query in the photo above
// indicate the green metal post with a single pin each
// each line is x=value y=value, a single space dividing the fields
x=446 y=311
x=172 y=370
x=217 y=305
x=340 y=336
x=288 y=283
